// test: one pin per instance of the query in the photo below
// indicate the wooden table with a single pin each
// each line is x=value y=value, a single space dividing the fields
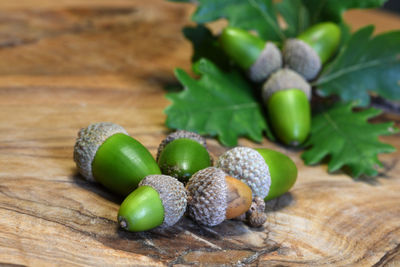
x=65 y=64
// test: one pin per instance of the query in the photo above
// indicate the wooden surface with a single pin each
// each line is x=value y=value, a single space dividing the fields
x=65 y=64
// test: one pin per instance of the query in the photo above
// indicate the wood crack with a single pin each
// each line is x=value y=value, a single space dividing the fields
x=52 y=221
x=388 y=256
x=258 y=254
x=7 y=264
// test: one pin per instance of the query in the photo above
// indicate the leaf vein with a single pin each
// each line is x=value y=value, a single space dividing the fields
x=268 y=19
x=353 y=68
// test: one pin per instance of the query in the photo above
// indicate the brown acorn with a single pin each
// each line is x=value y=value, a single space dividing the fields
x=214 y=196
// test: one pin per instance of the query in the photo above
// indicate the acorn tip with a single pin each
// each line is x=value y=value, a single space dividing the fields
x=122 y=223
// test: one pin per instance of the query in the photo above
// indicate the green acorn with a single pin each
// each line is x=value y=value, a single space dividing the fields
x=286 y=95
x=282 y=169
x=249 y=166
x=312 y=49
x=160 y=200
x=104 y=152
x=269 y=173
x=183 y=153
x=257 y=57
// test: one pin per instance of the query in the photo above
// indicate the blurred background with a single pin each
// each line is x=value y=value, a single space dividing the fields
x=392 y=5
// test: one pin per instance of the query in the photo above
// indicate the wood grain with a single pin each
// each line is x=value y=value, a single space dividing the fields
x=66 y=64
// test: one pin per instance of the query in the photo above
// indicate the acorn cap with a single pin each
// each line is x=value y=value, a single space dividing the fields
x=285 y=79
x=180 y=134
x=269 y=61
x=247 y=165
x=172 y=194
x=302 y=58
x=256 y=216
x=88 y=142
x=207 y=196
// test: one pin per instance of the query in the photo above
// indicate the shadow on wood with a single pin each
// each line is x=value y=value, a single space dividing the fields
x=97 y=188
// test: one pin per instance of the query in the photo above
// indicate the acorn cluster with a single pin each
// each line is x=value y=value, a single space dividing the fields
x=285 y=75
x=183 y=179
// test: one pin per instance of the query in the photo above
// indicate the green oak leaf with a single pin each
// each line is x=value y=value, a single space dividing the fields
x=332 y=10
x=219 y=104
x=348 y=139
x=297 y=19
x=296 y=16
x=345 y=35
x=261 y=15
x=257 y=15
x=365 y=64
x=205 y=45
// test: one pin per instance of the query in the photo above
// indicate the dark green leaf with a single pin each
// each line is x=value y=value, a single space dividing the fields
x=365 y=64
x=332 y=10
x=348 y=139
x=295 y=15
x=205 y=45
x=345 y=34
x=257 y=15
x=218 y=104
